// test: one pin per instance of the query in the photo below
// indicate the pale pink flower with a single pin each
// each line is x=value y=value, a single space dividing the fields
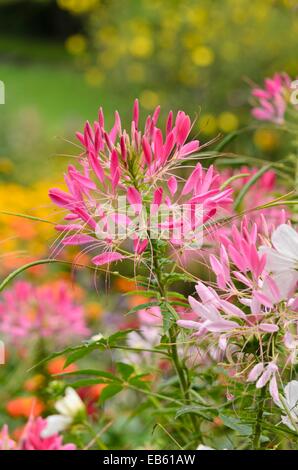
x=289 y=403
x=262 y=374
x=6 y=443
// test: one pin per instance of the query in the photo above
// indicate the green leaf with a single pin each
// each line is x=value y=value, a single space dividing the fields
x=179 y=303
x=125 y=370
x=109 y=392
x=18 y=271
x=76 y=355
x=233 y=178
x=236 y=425
x=226 y=140
x=192 y=409
x=27 y=216
x=143 y=306
x=176 y=295
x=91 y=372
x=141 y=384
x=143 y=293
x=77 y=352
x=87 y=382
x=114 y=338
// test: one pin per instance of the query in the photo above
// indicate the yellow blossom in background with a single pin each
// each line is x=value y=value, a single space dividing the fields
x=208 y=124
x=266 y=139
x=6 y=166
x=202 y=56
x=94 y=77
x=141 y=46
x=77 y=6
x=21 y=237
x=76 y=44
x=227 y=122
x=136 y=72
x=185 y=49
x=149 y=99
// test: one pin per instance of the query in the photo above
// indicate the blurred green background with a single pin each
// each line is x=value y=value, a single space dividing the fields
x=61 y=59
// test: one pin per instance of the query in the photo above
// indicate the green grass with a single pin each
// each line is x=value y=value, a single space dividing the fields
x=59 y=94
x=42 y=76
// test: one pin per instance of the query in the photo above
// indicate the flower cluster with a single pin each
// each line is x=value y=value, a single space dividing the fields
x=256 y=298
x=48 y=311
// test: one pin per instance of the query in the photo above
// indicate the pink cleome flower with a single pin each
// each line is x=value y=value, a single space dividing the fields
x=32 y=440
x=272 y=100
x=140 y=166
x=47 y=311
x=256 y=295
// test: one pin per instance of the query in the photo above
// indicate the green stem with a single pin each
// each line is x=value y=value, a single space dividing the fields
x=184 y=385
x=256 y=445
x=101 y=445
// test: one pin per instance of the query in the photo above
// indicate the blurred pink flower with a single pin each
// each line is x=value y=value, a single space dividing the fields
x=47 y=311
x=32 y=438
x=6 y=443
x=264 y=190
x=272 y=100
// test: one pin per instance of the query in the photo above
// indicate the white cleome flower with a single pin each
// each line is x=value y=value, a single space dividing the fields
x=71 y=404
x=282 y=258
x=55 y=425
x=69 y=407
x=202 y=447
x=290 y=403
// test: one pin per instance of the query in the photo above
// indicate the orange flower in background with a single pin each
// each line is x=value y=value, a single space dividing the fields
x=56 y=366
x=25 y=407
x=94 y=391
x=125 y=285
x=34 y=383
x=18 y=432
x=93 y=311
x=136 y=300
